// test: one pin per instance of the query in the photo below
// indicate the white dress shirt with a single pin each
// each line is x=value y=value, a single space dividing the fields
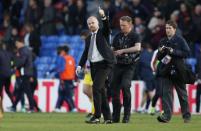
x=96 y=56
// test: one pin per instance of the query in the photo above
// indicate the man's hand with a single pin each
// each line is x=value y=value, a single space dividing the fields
x=78 y=70
x=62 y=82
x=118 y=52
x=161 y=49
x=198 y=81
x=17 y=54
x=31 y=79
x=86 y=70
x=101 y=12
x=170 y=50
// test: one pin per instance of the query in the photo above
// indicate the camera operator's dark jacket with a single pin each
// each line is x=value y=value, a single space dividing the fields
x=181 y=50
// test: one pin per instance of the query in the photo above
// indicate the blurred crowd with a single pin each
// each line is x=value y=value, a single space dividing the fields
x=56 y=17
x=31 y=19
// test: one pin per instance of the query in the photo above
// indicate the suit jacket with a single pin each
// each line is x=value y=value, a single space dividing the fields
x=102 y=42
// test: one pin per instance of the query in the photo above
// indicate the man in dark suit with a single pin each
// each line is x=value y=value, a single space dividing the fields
x=172 y=51
x=100 y=55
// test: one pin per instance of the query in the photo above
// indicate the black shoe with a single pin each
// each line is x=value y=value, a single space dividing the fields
x=162 y=120
x=90 y=115
x=115 y=121
x=39 y=110
x=12 y=109
x=187 y=120
x=107 y=122
x=93 y=120
x=126 y=119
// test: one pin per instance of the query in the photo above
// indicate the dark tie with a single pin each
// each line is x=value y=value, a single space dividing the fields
x=92 y=42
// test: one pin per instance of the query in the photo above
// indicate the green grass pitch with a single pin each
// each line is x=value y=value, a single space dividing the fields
x=75 y=122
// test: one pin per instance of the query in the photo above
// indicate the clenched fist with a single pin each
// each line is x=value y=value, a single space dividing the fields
x=101 y=12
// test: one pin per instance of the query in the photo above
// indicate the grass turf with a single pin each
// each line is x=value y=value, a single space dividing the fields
x=75 y=122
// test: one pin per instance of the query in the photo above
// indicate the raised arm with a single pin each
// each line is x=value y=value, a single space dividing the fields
x=106 y=27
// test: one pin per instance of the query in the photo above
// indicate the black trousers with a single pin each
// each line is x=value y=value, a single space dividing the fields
x=198 y=95
x=5 y=81
x=122 y=76
x=65 y=93
x=17 y=90
x=24 y=87
x=99 y=73
x=167 y=98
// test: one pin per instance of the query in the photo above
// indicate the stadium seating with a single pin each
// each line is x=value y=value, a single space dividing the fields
x=192 y=62
x=48 y=53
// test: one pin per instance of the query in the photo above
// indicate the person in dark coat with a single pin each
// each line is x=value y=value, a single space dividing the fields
x=5 y=74
x=32 y=38
x=171 y=69
x=100 y=55
x=24 y=62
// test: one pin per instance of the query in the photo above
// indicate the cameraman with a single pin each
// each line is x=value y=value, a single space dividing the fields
x=171 y=53
x=126 y=46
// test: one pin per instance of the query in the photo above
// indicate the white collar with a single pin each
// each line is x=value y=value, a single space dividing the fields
x=94 y=32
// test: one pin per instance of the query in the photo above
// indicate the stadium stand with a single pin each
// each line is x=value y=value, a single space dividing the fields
x=48 y=53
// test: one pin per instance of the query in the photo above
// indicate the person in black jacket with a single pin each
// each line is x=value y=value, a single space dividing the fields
x=126 y=46
x=100 y=55
x=5 y=74
x=32 y=38
x=171 y=68
x=23 y=61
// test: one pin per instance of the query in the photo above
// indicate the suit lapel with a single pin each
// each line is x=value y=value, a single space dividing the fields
x=88 y=41
x=97 y=39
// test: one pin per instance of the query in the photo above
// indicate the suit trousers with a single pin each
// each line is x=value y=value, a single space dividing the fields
x=99 y=74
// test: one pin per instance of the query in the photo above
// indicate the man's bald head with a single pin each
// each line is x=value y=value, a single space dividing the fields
x=93 y=23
